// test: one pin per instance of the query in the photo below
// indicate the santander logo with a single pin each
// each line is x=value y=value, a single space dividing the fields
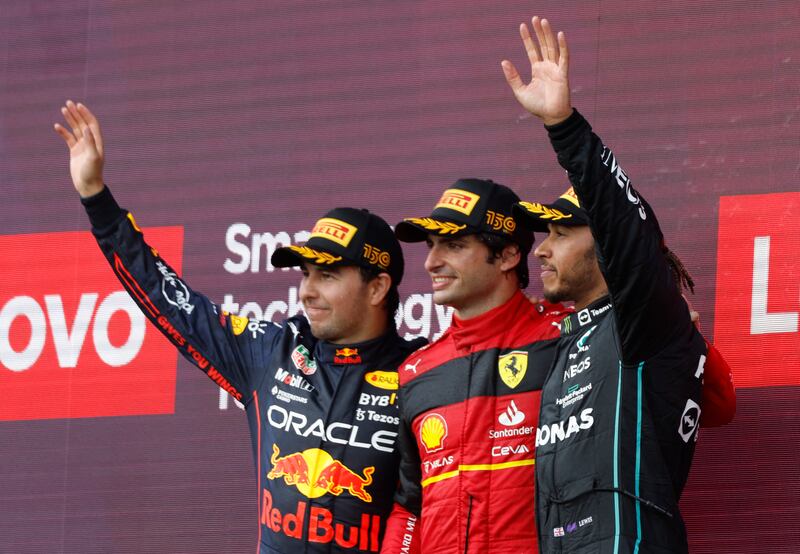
x=512 y=416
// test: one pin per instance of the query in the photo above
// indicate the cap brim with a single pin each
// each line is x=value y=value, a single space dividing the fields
x=536 y=216
x=290 y=256
x=417 y=229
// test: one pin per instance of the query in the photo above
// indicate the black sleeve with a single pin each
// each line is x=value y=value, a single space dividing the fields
x=647 y=303
x=409 y=489
x=226 y=347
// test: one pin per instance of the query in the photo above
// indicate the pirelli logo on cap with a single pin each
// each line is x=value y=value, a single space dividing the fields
x=571 y=197
x=334 y=229
x=459 y=200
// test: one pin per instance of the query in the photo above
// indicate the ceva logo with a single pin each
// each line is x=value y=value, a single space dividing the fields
x=757 y=321
x=72 y=342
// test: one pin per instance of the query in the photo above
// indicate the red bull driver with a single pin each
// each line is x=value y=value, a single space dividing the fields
x=320 y=391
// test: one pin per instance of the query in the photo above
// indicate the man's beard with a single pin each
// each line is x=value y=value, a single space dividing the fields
x=567 y=290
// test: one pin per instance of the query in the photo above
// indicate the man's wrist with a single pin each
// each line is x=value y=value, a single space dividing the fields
x=102 y=208
x=561 y=133
x=90 y=189
x=552 y=121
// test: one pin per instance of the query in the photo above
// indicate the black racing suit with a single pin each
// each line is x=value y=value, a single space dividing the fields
x=323 y=417
x=621 y=405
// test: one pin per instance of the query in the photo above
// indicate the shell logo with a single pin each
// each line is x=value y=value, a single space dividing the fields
x=432 y=432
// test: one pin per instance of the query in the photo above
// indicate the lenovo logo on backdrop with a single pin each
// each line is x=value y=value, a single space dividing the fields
x=758 y=288
x=72 y=342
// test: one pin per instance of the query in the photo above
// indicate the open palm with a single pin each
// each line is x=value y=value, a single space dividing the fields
x=85 y=145
x=547 y=94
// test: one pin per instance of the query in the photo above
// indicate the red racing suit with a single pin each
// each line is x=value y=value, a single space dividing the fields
x=468 y=427
x=469 y=404
x=474 y=489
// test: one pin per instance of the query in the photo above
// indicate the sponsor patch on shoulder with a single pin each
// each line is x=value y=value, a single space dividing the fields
x=238 y=324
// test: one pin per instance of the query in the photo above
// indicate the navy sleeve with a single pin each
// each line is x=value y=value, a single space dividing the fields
x=409 y=488
x=226 y=347
x=648 y=306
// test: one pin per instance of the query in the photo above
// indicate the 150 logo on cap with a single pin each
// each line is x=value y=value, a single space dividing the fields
x=376 y=256
x=72 y=342
x=500 y=222
x=334 y=229
x=459 y=200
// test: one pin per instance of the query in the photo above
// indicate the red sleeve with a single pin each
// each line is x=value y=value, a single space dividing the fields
x=719 y=394
x=402 y=532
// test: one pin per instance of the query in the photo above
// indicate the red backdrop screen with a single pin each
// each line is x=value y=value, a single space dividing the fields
x=231 y=126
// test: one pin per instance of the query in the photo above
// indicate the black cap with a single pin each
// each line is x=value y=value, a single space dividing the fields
x=566 y=210
x=347 y=236
x=470 y=206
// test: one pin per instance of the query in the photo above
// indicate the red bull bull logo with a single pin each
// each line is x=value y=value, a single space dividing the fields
x=347 y=356
x=315 y=473
x=321 y=526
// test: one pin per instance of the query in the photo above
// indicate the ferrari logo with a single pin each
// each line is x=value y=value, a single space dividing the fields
x=512 y=367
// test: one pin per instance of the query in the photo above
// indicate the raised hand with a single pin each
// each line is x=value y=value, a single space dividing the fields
x=85 y=148
x=547 y=95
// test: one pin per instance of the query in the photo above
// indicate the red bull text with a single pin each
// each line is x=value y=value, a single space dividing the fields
x=320 y=527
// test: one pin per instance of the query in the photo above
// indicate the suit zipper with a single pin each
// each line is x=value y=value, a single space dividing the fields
x=469 y=517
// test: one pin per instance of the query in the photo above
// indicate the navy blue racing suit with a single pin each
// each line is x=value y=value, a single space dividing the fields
x=323 y=417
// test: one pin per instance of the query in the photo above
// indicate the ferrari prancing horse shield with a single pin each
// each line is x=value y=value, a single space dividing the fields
x=512 y=367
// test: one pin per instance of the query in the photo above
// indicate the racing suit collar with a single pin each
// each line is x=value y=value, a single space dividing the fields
x=587 y=316
x=357 y=353
x=471 y=333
